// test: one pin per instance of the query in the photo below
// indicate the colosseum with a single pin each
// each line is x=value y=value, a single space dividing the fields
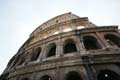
x=67 y=47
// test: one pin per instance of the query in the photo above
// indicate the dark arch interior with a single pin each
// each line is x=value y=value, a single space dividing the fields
x=25 y=79
x=46 y=77
x=91 y=43
x=51 y=50
x=112 y=40
x=36 y=54
x=22 y=60
x=73 y=76
x=16 y=60
x=108 y=75
x=70 y=46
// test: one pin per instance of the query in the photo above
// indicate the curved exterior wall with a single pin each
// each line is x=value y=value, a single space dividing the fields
x=67 y=47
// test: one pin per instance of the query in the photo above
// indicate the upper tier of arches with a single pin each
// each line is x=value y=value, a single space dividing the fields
x=67 y=46
x=62 y=23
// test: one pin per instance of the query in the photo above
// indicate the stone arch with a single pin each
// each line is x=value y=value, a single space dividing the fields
x=69 y=46
x=35 y=54
x=23 y=58
x=51 y=50
x=17 y=58
x=91 y=43
x=106 y=74
x=112 y=39
x=46 y=77
x=73 y=75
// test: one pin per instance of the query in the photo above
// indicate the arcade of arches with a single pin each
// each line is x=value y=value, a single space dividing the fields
x=73 y=75
x=67 y=47
x=90 y=43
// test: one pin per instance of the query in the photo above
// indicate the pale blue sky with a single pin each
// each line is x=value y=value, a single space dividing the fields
x=18 y=18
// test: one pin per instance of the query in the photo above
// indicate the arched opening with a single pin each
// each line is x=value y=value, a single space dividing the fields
x=25 y=79
x=51 y=50
x=112 y=39
x=17 y=58
x=108 y=75
x=22 y=60
x=69 y=46
x=46 y=77
x=35 y=54
x=91 y=43
x=73 y=76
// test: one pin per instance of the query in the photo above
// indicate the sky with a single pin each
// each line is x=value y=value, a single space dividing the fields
x=18 y=18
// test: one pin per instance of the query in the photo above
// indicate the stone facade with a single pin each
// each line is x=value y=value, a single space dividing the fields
x=67 y=47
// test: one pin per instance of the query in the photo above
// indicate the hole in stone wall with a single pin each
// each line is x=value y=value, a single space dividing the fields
x=16 y=60
x=36 y=54
x=70 y=46
x=22 y=60
x=73 y=76
x=90 y=43
x=113 y=40
x=25 y=79
x=56 y=21
x=67 y=29
x=51 y=50
x=108 y=75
